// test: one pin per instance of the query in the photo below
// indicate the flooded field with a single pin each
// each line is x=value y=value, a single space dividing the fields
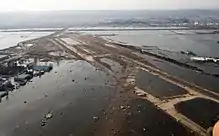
x=9 y=39
x=193 y=109
x=187 y=74
x=146 y=118
x=156 y=86
x=201 y=44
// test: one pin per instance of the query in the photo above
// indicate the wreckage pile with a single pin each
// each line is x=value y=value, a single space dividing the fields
x=17 y=73
x=205 y=59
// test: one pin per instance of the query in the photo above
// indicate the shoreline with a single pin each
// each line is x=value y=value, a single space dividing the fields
x=99 y=28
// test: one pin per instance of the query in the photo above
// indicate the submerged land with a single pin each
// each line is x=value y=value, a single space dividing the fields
x=72 y=83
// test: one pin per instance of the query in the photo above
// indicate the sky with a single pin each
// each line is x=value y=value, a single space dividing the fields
x=38 y=5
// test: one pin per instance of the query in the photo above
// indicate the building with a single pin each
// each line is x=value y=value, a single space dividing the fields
x=23 y=77
x=5 y=84
x=42 y=68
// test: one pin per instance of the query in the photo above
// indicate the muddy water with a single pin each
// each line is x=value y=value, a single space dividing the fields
x=73 y=92
x=193 y=109
x=157 y=86
x=147 y=120
x=191 y=76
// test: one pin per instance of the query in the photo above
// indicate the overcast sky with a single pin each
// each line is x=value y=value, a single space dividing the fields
x=14 y=5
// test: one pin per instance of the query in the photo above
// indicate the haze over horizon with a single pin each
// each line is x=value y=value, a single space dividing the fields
x=41 y=5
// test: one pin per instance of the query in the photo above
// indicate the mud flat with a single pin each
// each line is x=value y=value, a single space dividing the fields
x=157 y=86
x=114 y=66
x=202 y=111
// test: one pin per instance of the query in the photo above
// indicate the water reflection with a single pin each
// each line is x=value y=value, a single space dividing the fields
x=201 y=44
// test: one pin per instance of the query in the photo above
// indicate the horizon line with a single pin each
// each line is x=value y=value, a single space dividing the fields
x=192 y=9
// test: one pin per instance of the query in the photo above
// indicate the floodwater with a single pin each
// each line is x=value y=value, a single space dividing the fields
x=205 y=81
x=73 y=92
x=9 y=39
x=193 y=109
x=147 y=120
x=201 y=44
x=171 y=43
x=157 y=86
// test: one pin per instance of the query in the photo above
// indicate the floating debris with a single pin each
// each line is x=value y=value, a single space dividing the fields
x=48 y=116
x=205 y=59
x=5 y=84
x=190 y=53
x=43 y=123
x=95 y=118
x=141 y=93
x=22 y=83
x=122 y=107
x=42 y=68
x=3 y=94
